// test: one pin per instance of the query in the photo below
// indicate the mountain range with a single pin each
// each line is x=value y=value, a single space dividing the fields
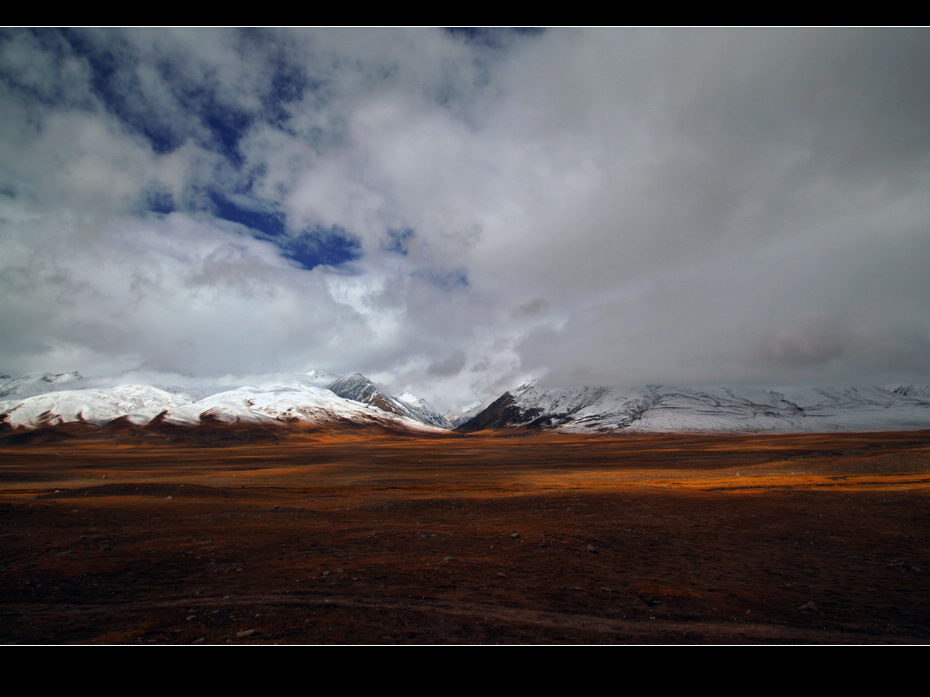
x=315 y=400
x=660 y=408
x=303 y=401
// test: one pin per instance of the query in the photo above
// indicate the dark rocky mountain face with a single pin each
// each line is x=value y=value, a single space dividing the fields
x=501 y=413
x=359 y=388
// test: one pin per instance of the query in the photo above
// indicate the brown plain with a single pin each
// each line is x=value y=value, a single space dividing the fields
x=349 y=538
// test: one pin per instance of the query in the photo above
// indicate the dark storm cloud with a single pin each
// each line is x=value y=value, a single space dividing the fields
x=455 y=211
x=450 y=365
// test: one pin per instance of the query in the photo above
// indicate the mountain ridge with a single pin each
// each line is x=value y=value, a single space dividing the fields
x=660 y=408
x=359 y=388
x=314 y=399
x=293 y=402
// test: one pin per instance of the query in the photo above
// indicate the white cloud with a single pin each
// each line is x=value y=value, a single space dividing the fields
x=592 y=205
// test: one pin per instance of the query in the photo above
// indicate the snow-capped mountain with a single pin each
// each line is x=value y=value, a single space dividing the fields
x=314 y=399
x=139 y=404
x=289 y=403
x=360 y=389
x=24 y=386
x=294 y=402
x=457 y=417
x=718 y=409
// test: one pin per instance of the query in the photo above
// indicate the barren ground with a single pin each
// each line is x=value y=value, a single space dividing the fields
x=467 y=539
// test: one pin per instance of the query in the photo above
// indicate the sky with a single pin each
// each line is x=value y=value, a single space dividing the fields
x=454 y=211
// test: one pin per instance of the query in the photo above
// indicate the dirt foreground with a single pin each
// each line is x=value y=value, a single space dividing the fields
x=543 y=539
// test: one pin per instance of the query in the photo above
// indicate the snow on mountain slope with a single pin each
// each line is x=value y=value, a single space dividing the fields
x=360 y=389
x=654 y=408
x=910 y=390
x=457 y=417
x=294 y=402
x=720 y=409
x=141 y=404
x=24 y=386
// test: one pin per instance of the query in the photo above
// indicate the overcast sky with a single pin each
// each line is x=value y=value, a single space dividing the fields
x=451 y=212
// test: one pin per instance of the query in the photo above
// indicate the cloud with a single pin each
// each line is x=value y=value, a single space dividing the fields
x=452 y=212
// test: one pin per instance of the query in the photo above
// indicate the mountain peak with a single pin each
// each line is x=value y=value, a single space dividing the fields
x=355 y=386
x=359 y=388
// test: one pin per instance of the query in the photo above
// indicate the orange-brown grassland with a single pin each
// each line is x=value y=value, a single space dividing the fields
x=348 y=538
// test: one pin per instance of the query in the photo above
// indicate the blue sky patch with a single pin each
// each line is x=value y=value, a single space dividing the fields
x=227 y=127
x=114 y=81
x=398 y=241
x=160 y=202
x=269 y=224
x=321 y=246
x=315 y=246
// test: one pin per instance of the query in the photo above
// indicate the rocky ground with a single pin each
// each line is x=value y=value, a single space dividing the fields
x=486 y=538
